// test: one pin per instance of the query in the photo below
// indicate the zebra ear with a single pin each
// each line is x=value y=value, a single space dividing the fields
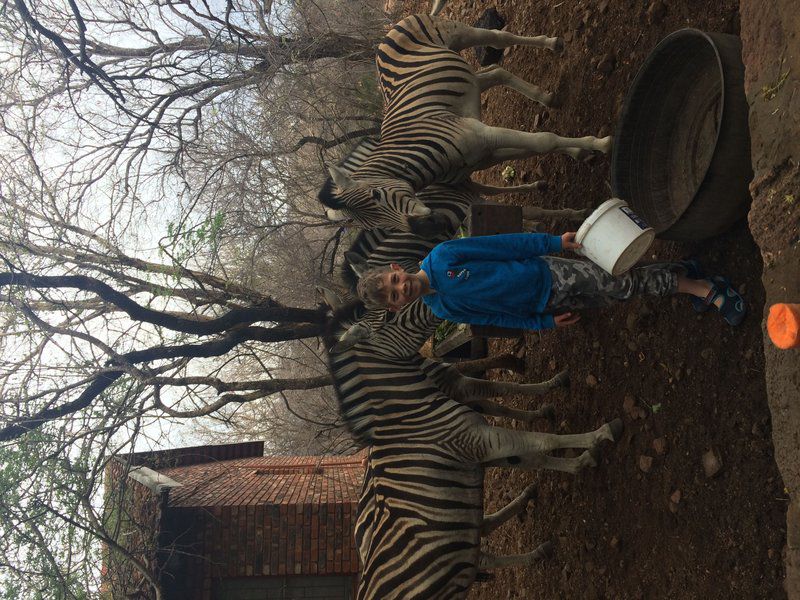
x=341 y=178
x=356 y=263
x=418 y=209
x=351 y=337
x=329 y=297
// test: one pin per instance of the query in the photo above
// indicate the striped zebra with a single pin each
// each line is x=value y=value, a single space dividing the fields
x=431 y=131
x=427 y=457
x=370 y=506
x=400 y=336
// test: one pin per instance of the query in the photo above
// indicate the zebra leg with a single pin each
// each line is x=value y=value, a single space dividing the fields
x=534 y=462
x=489 y=561
x=513 y=508
x=493 y=190
x=506 y=447
x=437 y=7
x=501 y=155
x=496 y=75
x=476 y=392
x=491 y=389
x=534 y=213
x=528 y=144
x=463 y=36
x=493 y=409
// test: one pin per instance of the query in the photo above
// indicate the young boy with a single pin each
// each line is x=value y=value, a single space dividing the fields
x=507 y=280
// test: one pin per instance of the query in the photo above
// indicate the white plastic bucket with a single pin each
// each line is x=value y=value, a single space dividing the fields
x=614 y=237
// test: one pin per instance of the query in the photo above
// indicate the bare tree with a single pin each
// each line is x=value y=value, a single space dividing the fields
x=159 y=245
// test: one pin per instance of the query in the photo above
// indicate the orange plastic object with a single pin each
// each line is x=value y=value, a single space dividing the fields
x=783 y=325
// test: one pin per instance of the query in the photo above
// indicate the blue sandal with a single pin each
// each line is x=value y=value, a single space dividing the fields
x=733 y=307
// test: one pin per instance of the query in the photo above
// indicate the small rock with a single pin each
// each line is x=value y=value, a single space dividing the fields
x=660 y=446
x=606 y=64
x=591 y=380
x=675 y=497
x=771 y=553
x=568 y=37
x=536 y=120
x=743 y=289
x=748 y=354
x=645 y=463
x=614 y=543
x=603 y=7
x=631 y=320
x=590 y=545
x=632 y=346
x=628 y=404
x=712 y=463
x=564 y=485
x=642 y=413
x=706 y=353
x=656 y=12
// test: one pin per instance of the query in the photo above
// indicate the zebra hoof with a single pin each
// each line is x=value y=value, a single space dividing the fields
x=547 y=549
x=606 y=144
x=546 y=411
x=531 y=492
x=540 y=185
x=558 y=46
x=562 y=379
x=617 y=428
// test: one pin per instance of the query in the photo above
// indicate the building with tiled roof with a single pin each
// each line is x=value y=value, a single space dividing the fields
x=236 y=525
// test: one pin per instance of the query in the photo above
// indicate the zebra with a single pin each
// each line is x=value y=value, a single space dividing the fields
x=400 y=336
x=428 y=452
x=368 y=512
x=431 y=131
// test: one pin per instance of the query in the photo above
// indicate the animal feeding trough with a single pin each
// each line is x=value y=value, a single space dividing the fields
x=682 y=149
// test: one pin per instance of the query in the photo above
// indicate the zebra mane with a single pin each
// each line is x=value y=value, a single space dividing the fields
x=354 y=159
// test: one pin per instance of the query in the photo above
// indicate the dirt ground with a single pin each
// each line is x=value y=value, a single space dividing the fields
x=649 y=522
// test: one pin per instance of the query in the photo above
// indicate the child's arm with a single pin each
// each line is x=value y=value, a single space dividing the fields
x=533 y=322
x=504 y=246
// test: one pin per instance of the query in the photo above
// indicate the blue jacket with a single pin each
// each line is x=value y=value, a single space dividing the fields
x=492 y=280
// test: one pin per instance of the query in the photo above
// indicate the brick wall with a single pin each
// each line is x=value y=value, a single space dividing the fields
x=261 y=516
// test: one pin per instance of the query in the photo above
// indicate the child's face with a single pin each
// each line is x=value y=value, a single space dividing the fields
x=400 y=288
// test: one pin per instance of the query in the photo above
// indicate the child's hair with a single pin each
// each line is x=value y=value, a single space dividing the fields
x=370 y=288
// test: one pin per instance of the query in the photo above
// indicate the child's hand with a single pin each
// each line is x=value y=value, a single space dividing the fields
x=566 y=319
x=568 y=241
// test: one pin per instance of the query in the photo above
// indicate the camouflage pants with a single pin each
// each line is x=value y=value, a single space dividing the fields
x=582 y=284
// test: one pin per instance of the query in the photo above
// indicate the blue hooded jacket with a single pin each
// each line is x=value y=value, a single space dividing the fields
x=492 y=280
